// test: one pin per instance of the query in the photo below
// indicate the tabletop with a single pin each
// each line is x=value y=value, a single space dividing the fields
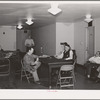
x=53 y=60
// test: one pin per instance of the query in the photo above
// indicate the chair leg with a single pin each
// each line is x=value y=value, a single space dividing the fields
x=74 y=76
x=27 y=77
x=21 y=74
x=58 y=80
x=71 y=80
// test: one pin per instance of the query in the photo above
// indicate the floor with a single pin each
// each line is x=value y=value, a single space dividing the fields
x=82 y=83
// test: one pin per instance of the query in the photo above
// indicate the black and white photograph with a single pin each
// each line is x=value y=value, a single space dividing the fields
x=50 y=46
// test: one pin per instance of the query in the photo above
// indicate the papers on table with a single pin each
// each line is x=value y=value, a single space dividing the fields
x=44 y=56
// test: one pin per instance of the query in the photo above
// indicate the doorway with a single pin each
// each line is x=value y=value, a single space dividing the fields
x=20 y=39
x=89 y=45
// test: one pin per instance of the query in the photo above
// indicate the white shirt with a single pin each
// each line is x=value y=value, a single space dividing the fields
x=29 y=42
x=95 y=60
x=70 y=55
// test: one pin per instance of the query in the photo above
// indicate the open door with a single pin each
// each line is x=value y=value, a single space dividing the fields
x=89 y=47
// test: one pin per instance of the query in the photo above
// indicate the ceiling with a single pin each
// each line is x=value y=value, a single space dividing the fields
x=12 y=13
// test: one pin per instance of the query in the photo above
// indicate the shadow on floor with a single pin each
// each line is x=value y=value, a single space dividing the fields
x=82 y=83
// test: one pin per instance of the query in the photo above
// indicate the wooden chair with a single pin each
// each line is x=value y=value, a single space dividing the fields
x=25 y=73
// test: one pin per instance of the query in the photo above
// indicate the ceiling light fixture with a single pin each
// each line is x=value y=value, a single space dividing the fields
x=29 y=21
x=88 y=18
x=19 y=26
x=54 y=9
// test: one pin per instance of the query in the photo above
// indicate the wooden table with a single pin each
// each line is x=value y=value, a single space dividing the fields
x=52 y=62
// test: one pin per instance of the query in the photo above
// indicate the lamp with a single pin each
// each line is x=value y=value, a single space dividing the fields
x=19 y=26
x=54 y=9
x=29 y=21
x=88 y=18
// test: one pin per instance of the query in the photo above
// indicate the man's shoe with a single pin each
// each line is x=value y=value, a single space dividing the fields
x=37 y=82
x=98 y=80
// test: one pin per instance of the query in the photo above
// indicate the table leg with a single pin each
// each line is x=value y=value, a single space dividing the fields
x=50 y=77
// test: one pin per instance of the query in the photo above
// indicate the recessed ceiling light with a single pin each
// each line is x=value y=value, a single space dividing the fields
x=29 y=21
x=54 y=9
x=19 y=25
x=88 y=18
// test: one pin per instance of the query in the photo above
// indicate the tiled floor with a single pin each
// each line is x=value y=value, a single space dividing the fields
x=82 y=83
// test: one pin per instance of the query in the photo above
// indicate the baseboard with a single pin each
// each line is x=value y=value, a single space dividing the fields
x=79 y=65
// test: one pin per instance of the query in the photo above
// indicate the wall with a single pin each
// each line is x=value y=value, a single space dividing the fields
x=97 y=34
x=79 y=41
x=45 y=37
x=8 y=40
x=80 y=30
x=64 y=33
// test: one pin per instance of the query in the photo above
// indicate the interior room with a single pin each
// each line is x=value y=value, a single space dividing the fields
x=76 y=23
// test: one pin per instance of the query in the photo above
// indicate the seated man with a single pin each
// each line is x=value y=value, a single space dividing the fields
x=67 y=53
x=93 y=61
x=31 y=63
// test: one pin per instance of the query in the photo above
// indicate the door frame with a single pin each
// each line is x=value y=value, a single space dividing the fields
x=86 y=43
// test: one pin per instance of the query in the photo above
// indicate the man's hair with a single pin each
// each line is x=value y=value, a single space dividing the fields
x=98 y=52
